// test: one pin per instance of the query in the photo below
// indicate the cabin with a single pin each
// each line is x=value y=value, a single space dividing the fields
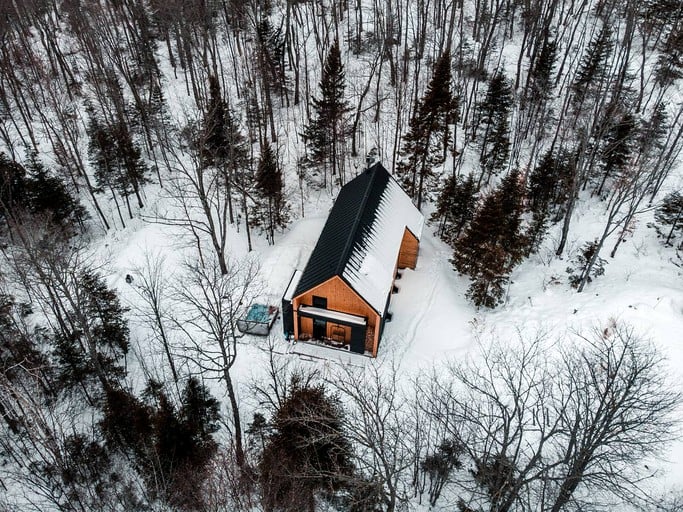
x=342 y=296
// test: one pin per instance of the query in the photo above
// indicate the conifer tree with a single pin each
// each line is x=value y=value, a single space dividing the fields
x=222 y=145
x=48 y=194
x=493 y=243
x=652 y=132
x=12 y=186
x=618 y=146
x=670 y=213
x=213 y=144
x=592 y=65
x=96 y=341
x=118 y=161
x=271 y=210
x=423 y=145
x=328 y=129
x=455 y=207
x=494 y=115
x=308 y=451
x=546 y=191
x=540 y=74
x=583 y=269
x=670 y=62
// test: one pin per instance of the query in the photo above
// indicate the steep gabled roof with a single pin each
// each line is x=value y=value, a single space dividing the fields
x=362 y=236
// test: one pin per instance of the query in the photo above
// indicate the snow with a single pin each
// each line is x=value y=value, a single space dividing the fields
x=369 y=269
x=432 y=321
x=289 y=293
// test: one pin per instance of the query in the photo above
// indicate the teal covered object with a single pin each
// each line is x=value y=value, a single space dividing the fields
x=258 y=313
x=258 y=320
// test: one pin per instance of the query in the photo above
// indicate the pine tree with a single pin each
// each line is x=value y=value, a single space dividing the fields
x=12 y=187
x=581 y=270
x=546 y=193
x=670 y=213
x=670 y=62
x=540 y=74
x=423 y=145
x=653 y=131
x=455 y=207
x=214 y=143
x=271 y=47
x=48 y=195
x=494 y=115
x=97 y=342
x=270 y=211
x=592 y=65
x=493 y=243
x=223 y=146
x=118 y=161
x=618 y=146
x=328 y=130
x=307 y=453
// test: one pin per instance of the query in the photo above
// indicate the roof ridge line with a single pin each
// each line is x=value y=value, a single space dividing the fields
x=359 y=214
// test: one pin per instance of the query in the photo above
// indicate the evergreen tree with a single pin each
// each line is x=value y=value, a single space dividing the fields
x=547 y=190
x=47 y=194
x=171 y=446
x=455 y=207
x=117 y=160
x=670 y=213
x=13 y=194
x=618 y=146
x=653 y=131
x=670 y=62
x=439 y=465
x=580 y=272
x=127 y=424
x=96 y=342
x=271 y=210
x=328 y=129
x=199 y=413
x=308 y=452
x=271 y=47
x=214 y=143
x=540 y=74
x=494 y=115
x=223 y=146
x=424 y=144
x=493 y=243
x=592 y=65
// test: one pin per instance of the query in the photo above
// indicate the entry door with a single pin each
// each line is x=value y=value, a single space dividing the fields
x=319 y=328
x=319 y=325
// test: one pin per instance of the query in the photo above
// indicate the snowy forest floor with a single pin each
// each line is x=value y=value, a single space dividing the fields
x=432 y=320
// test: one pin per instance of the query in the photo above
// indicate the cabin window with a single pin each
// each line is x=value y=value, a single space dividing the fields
x=319 y=302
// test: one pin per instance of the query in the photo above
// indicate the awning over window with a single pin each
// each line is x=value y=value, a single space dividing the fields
x=332 y=316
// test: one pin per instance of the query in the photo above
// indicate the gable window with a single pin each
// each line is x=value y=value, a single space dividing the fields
x=319 y=302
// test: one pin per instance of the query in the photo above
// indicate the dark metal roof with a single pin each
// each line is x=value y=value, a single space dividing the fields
x=348 y=223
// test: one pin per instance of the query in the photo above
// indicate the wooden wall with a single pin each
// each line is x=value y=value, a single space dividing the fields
x=340 y=297
x=407 y=255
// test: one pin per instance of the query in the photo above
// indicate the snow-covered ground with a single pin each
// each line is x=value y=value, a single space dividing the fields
x=432 y=321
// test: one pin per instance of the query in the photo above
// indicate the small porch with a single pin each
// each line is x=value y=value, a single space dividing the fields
x=334 y=329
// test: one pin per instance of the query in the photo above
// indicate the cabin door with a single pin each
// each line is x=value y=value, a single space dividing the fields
x=319 y=328
x=319 y=325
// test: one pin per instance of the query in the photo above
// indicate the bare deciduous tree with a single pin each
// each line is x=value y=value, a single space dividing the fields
x=210 y=302
x=152 y=285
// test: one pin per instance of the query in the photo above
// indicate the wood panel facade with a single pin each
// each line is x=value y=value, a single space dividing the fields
x=410 y=246
x=340 y=297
